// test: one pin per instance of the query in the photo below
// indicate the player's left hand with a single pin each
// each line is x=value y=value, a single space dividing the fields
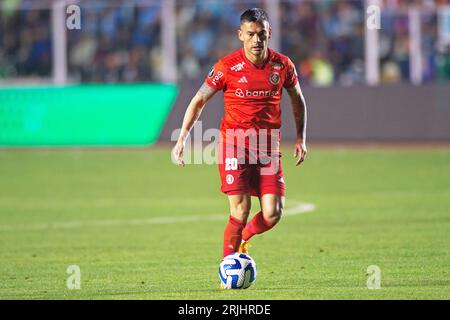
x=300 y=151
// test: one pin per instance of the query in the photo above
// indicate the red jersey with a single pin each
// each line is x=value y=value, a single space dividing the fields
x=252 y=93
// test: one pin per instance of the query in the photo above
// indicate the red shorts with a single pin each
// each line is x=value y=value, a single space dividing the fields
x=247 y=172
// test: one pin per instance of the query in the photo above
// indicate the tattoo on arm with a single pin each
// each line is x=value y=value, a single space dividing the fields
x=299 y=110
x=206 y=92
x=295 y=93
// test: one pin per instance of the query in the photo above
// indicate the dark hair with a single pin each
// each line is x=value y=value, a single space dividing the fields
x=254 y=15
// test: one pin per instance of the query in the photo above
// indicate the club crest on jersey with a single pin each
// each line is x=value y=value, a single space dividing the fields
x=230 y=179
x=211 y=73
x=274 y=78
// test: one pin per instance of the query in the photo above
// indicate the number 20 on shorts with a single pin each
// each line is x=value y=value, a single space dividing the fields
x=231 y=164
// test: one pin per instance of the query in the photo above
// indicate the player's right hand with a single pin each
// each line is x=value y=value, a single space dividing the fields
x=177 y=153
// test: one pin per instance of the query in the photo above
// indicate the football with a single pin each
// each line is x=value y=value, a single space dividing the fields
x=237 y=271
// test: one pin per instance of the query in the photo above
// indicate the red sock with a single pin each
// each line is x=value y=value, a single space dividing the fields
x=232 y=236
x=256 y=226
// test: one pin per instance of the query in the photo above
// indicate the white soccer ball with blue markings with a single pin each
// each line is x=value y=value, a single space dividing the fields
x=237 y=271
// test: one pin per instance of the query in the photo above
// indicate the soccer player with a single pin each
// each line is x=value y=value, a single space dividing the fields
x=252 y=79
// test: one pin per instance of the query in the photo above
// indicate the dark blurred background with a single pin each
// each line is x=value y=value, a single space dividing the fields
x=120 y=41
x=392 y=83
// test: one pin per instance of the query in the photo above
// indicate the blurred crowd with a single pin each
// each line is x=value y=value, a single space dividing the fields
x=120 y=41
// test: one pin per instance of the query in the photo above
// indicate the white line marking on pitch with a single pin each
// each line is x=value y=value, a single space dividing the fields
x=300 y=208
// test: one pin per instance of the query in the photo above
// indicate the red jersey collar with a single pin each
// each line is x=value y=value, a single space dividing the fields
x=260 y=65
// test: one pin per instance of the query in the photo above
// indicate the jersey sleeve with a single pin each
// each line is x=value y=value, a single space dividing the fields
x=291 y=75
x=216 y=77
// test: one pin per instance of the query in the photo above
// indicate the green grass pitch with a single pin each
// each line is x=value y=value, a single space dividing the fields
x=141 y=228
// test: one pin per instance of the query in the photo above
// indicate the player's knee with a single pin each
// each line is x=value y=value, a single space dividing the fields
x=272 y=217
x=240 y=212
